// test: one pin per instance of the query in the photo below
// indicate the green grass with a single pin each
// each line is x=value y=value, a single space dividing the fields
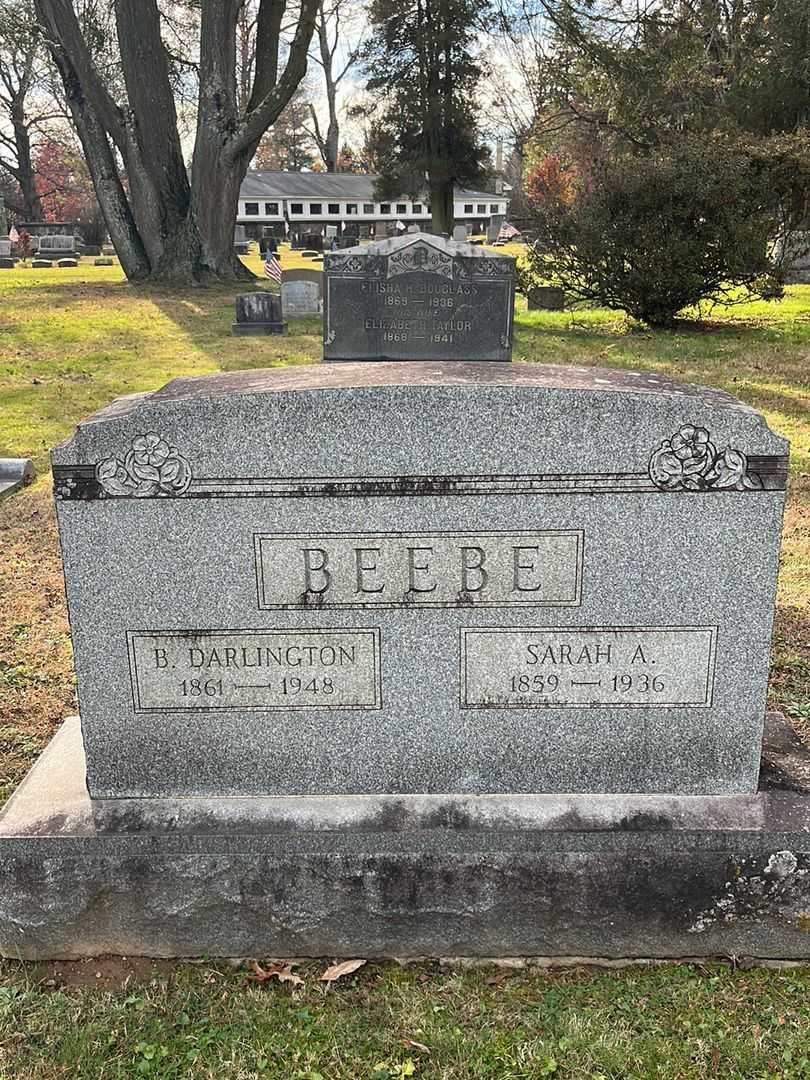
x=71 y=341
x=386 y=1022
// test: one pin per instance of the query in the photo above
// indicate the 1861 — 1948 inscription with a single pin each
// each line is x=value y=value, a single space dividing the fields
x=418 y=297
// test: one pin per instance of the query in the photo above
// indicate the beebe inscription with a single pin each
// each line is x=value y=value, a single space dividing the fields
x=255 y=669
x=574 y=667
x=431 y=569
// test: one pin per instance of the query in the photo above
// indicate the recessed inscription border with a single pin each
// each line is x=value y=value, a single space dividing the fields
x=461 y=600
x=372 y=632
x=708 y=691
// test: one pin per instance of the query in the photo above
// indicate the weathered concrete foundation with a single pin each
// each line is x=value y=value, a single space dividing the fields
x=389 y=875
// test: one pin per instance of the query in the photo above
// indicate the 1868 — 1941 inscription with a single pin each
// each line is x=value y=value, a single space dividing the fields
x=418 y=297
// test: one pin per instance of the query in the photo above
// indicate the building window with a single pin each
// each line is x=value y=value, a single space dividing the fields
x=315 y=208
x=417 y=208
x=385 y=207
x=334 y=207
x=468 y=207
x=368 y=207
x=251 y=208
x=402 y=208
x=482 y=208
x=494 y=208
x=271 y=209
x=351 y=208
x=296 y=208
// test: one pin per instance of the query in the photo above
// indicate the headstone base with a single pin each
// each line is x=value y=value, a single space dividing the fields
x=245 y=329
x=15 y=473
x=614 y=876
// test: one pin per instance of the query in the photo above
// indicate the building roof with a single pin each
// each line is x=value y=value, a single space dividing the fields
x=314 y=185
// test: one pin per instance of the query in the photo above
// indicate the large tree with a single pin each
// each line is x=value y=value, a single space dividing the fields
x=166 y=222
x=25 y=104
x=332 y=36
x=422 y=66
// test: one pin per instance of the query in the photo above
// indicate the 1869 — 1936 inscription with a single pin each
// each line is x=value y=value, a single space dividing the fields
x=418 y=297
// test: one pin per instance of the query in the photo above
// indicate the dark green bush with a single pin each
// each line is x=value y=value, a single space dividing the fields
x=655 y=233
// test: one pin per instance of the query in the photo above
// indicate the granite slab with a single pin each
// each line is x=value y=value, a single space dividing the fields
x=418 y=297
x=422 y=578
x=396 y=875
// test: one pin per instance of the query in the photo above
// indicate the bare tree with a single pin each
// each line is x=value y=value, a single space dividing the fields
x=166 y=223
x=24 y=102
x=332 y=18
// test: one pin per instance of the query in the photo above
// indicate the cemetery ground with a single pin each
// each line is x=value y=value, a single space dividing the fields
x=70 y=342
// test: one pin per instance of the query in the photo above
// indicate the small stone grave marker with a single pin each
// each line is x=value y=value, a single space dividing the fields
x=300 y=298
x=258 y=313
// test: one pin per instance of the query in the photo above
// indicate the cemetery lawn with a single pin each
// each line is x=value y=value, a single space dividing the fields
x=207 y=1022
x=70 y=342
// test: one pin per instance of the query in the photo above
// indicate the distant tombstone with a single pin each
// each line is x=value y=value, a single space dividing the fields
x=56 y=245
x=108 y=249
x=365 y=232
x=308 y=253
x=304 y=273
x=418 y=298
x=7 y=264
x=313 y=242
x=300 y=298
x=460 y=233
x=91 y=250
x=5 y=247
x=239 y=234
x=67 y=264
x=546 y=298
x=41 y=264
x=15 y=473
x=413 y=229
x=103 y=261
x=331 y=230
x=258 y=313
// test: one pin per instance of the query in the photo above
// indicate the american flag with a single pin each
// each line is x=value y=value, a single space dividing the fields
x=508 y=231
x=272 y=267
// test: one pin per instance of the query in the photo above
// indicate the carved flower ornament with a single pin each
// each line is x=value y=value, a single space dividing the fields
x=152 y=467
x=689 y=461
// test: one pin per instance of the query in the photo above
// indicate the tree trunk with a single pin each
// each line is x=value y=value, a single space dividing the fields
x=32 y=205
x=442 y=210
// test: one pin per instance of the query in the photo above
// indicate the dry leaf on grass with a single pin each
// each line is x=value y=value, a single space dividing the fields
x=414 y=1045
x=282 y=972
x=337 y=971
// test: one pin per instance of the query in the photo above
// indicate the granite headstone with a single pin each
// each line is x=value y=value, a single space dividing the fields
x=519 y=614
x=258 y=313
x=418 y=297
x=300 y=298
x=499 y=589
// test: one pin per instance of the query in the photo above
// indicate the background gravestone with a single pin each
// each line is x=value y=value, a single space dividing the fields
x=546 y=298
x=418 y=297
x=258 y=313
x=300 y=298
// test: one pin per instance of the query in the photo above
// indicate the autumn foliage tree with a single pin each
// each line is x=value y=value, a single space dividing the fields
x=168 y=222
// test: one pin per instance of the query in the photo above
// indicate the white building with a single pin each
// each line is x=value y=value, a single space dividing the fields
x=309 y=201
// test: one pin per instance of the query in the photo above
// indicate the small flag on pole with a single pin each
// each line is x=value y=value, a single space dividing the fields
x=272 y=267
x=13 y=235
x=508 y=232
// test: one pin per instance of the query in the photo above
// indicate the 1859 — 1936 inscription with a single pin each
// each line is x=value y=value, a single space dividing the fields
x=418 y=297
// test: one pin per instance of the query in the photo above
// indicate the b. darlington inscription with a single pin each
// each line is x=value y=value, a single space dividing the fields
x=436 y=569
x=255 y=669
x=566 y=667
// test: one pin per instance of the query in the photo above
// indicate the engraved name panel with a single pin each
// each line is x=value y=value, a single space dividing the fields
x=593 y=666
x=436 y=569
x=255 y=669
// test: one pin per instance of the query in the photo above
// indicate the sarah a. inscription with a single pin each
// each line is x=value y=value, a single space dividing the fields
x=436 y=569
x=587 y=667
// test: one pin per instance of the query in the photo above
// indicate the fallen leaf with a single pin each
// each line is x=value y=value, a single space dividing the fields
x=414 y=1045
x=282 y=972
x=337 y=971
